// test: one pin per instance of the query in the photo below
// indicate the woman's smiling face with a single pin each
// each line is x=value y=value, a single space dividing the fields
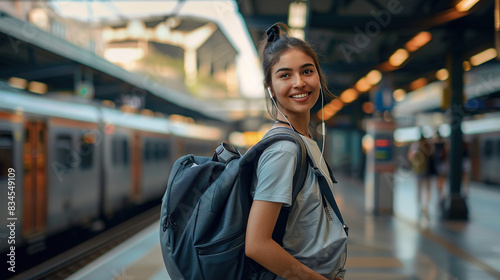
x=295 y=82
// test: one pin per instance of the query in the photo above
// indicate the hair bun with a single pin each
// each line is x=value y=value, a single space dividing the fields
x=273 y=33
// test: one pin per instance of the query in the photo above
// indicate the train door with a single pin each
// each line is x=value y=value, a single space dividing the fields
x=35 y=178
x=136 y=167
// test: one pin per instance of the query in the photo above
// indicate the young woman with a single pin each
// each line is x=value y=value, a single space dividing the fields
x=314 y=244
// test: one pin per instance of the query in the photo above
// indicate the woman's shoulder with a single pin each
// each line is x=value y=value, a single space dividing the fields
x=283 y=145
x=280 y=152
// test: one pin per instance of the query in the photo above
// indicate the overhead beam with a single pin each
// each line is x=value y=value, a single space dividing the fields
x=40 y=73
x=111 y=89
x=386 y=21
x=375 y=4
x=262 y=22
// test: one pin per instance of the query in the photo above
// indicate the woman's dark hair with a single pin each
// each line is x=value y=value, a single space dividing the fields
x=275 y=42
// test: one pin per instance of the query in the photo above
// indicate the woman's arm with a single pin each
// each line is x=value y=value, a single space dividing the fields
x=260 y=246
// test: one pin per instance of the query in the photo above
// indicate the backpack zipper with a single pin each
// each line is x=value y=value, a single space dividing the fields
x=169 y=222
x=203 y=249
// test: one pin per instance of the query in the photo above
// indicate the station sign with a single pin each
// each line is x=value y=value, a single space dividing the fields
x=84 y=89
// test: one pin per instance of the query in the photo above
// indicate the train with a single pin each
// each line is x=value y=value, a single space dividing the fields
x=69 y=164
x=483 y=138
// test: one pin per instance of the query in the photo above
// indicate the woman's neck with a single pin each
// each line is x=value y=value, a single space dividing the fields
x=300 y=125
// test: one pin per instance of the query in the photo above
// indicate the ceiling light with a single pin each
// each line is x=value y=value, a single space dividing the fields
x=336 y=104
x=16 y=82
x=349 y=95
x=363 y=85
x=297 y=33
x=442 y=74
x=37 y=87
x=466 y=65
x=368 y=107
x=297 y=13
x=418 y=83
x=123 y=55
x=326 y=113
x=108 y=103
x=400 y=56
x=465 y=5
x=399 y=94
x=374 y=77
x=136 y=28
x=418 y=41
x=483 y=56
x=330 y=109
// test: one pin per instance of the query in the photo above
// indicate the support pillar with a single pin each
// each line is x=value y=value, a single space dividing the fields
x=455 y=207
x=190 y=66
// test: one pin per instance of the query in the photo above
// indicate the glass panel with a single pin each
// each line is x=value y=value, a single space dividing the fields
x=498 y=148
x=125 y=152
x=165 y=150
x=86 y=151
x=488 y=149
x=116 y=151
x=6 y=153
x=158 y=152
x=63 y=150
x=147 y=151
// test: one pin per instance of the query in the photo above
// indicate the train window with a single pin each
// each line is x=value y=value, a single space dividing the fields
x=196 y=148
x=165 y=150
x=26 y=135
x=148 y=150
x=125 y=152
x=161 y=151
x=6 y=153
x=86 y=151
x=488 y=149
x=498 y=148
x=63 y=151
x=116 y=151
x=158 y=151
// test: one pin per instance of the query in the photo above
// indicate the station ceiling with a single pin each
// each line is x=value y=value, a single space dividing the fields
x=353 y=37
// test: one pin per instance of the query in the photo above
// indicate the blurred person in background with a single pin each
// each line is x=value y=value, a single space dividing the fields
x=441 y=162
x=466 y=168
x=419 y=154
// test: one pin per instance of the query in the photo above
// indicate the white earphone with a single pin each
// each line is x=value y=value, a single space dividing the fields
x=276 y=105
x=322 y=124
x=269 y=91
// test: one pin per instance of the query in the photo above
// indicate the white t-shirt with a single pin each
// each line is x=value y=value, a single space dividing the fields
x=313 y=237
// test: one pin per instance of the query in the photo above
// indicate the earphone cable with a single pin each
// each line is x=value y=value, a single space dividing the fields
x=276 y=105
x=322 y=127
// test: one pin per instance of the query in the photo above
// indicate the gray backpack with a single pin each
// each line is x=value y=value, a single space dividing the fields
x=205 y=210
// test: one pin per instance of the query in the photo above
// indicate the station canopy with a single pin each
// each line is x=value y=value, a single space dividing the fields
x=34 y=55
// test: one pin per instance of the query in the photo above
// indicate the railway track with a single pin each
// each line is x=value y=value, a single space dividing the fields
x=70 y=261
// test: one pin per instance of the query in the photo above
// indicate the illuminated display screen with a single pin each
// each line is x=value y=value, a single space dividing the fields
x=383 y=149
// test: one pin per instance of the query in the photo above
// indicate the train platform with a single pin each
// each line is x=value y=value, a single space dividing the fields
x=406 y=245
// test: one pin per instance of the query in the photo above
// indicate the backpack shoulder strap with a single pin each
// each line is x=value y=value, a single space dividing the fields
x=327 y=192
x=279 y=134
x=283 y=133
